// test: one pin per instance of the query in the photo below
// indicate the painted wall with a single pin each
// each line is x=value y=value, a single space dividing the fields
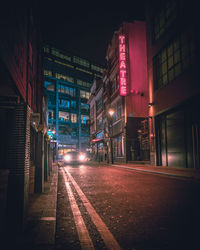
x=137 y=100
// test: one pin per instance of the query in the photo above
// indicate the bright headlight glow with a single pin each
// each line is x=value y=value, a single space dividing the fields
x=81 y=157
x=67 y=157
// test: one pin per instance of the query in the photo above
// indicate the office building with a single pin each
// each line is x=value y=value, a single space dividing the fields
x=68 y=79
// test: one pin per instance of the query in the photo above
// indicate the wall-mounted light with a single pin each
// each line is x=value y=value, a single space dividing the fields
x=151 y=104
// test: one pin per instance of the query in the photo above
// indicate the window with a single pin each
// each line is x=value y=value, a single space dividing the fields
x=164 y=17
x=47 y=72
x=64 y=103
x=84 y=119
x=73 y=118
x=73 y=104
x=99 y=69
x=46 y=49
x=83 y=83
x=117 y=146
x=74 y=131
x=84 y=94
x=63 y=116
x=99 y=124
x=172 y=60
x=99 y=104
x=64 y=129
x=51 y=114
x=115 y=85
x=57 y=53
x=81 y=61
x=51 y=99
x=118 y=110
x=67 y=90
x=64 y=77
x=85 y=107
x=49 y=86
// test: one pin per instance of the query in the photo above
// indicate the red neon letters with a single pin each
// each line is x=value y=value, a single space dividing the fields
x=122 y=66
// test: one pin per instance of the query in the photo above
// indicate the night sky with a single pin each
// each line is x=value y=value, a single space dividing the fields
x=82 y=28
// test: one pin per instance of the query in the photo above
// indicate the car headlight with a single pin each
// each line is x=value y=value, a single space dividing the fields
x=67 y=157
x=81 y=157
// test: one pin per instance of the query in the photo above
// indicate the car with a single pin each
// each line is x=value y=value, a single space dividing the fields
x=75 y=157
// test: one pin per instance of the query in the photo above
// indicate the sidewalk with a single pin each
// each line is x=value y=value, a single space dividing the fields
x=163 y=170
x=188 y=173
x=40 y=226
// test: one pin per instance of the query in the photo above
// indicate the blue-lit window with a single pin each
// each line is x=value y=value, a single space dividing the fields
x=84 y=119
x=64 y=103
x=73 y=104
x=85 y=107
x=49 y=86
x=67 y=90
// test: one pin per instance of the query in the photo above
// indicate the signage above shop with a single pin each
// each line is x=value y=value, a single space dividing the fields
x=123 y=65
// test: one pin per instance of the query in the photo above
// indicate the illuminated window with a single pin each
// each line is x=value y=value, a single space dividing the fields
x=81 y=61
x=84 y=94
x=83 y=83
x=63 y=116
x=99 y=69
x=73 y=104
x=51 y=114
x=73 y=117
x=57 y=53
x=84 y=119
x=173 y=59
x=64 y=77
x=67 y=90
x=117 y=146
x=64 y=103
x=49 y=86
x=47 y=72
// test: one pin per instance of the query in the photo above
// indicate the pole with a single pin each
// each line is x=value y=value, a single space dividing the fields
x=111 y=143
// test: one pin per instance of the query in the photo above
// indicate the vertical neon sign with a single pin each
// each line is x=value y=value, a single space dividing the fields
x=122 y=66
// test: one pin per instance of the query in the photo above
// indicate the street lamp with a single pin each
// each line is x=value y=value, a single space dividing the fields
x=111 y=113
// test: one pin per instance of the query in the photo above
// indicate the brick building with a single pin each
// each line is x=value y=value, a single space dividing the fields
x=124 y=89
x=23 y=149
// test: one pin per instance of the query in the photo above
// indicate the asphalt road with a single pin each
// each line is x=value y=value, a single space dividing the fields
x=111 y=208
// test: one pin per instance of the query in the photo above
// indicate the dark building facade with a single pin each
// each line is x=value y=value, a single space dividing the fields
x=68 y=79
x=173 y=67
x=22 y=111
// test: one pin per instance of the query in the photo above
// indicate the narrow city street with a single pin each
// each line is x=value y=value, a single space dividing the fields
x=104 y=207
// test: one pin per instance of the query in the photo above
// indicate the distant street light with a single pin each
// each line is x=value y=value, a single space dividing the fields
x=111 y=113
